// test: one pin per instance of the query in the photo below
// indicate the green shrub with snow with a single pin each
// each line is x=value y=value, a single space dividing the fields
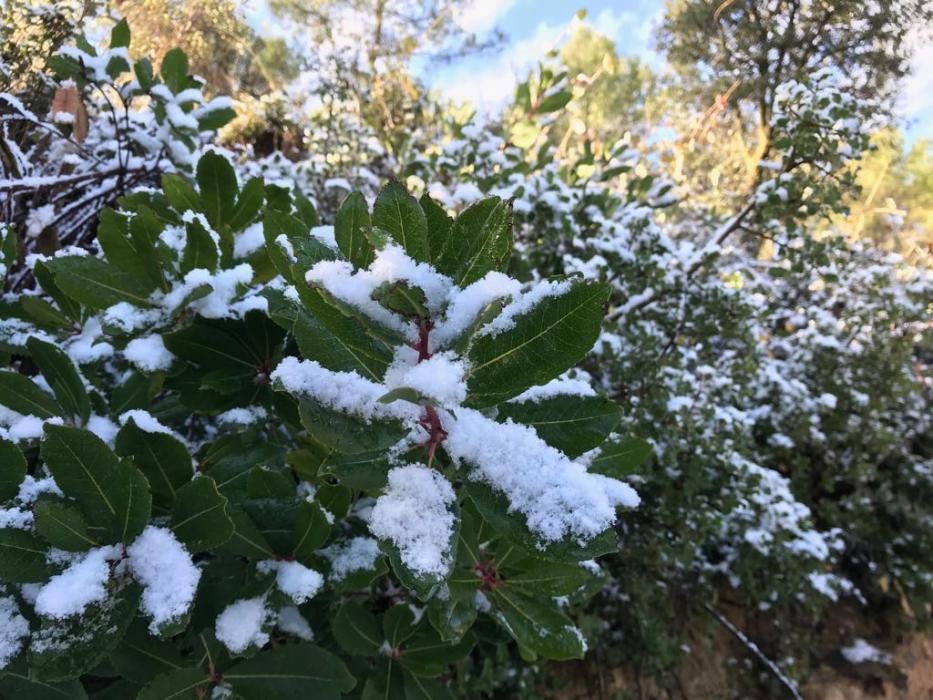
x=244 y=453
x=234 y=430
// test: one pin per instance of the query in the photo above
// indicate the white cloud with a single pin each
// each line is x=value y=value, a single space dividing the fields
x=489 y=83
x=482 y=15
x=917 y=97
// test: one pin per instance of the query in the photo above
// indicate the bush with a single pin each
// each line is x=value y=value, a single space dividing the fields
x=259 y=437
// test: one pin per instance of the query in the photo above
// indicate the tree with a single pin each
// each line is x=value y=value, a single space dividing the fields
x=733 y=55
x=614 y=92
x=368 y=48
x=219 y=44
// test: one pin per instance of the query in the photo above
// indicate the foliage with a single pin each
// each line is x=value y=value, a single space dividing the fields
x=278 y=427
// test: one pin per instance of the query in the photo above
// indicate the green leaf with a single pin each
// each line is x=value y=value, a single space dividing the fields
x=161 y=457
x=174 y=70
x=554 y=102
x=44 y=314
x=113 y=496
x=365 y=471
x=217 y=182
x=385 y=682
x=199 y=516
x=398 y=213
x=140 y=657
x=312 y=529
x=479 y=241
x=248 y=204
x=356 y=630
x=12 y=469
x=179 y=684
x=113 y=234
x=497 y=512
x=622 y=458
x=71 y=647
x=216 y=118
x=96 y=284
x=247 y=540
x=543 y=579
x=439 y=224
x=351 y=230
x=247 y=345
x=145 y=229
x=22 y=557
x=120 y=35
x=424 y=688
x=229 y=459
x=61 y=374
x=538 y=625
x=63 y=526
x=46 y=280
x=428 y=655
x=336 y=340
x=398 y=624
x=305 y=209
x=452 y=618
x=292 y=672
x=24 y=396
x=17 y=682
x=180 y=194
x=403 y=299
x=572 y=424
x=144 y=74
x=200 y=249
x=276 y=519
x=554 y=335
x=349 y=434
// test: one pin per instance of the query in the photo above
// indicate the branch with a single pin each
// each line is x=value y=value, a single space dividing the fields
x=721 y=234
x=752 y=647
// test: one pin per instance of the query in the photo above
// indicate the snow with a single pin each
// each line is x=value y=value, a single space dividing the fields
x=414 y=514
x=678 y=403
x=39 y=219
x=465 y=305
x=294 y=579
x=149 y=353
x=16 y=518
x=14 y=628
x=128 y=318
x=102 y=427
x=248 y=241
x=243 y=416
x=440 y=377
x=168 y=576
x=146 y=422
x=224 y=285
x=240 y=625
x=356 y=554
x=32 y=488
x=523 y=305
x=325 y=234
x=343 y=391
x=292 y=622
x=861 y=652
x=85 y=347
x=391 y=264
x=82 y=583
x=557 y=495
x=561 y=386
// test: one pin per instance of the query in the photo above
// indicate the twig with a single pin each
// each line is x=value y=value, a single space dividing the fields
x=723 y=232
x=752 y=647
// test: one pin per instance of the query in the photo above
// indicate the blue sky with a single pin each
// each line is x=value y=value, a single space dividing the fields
x=535 y=26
